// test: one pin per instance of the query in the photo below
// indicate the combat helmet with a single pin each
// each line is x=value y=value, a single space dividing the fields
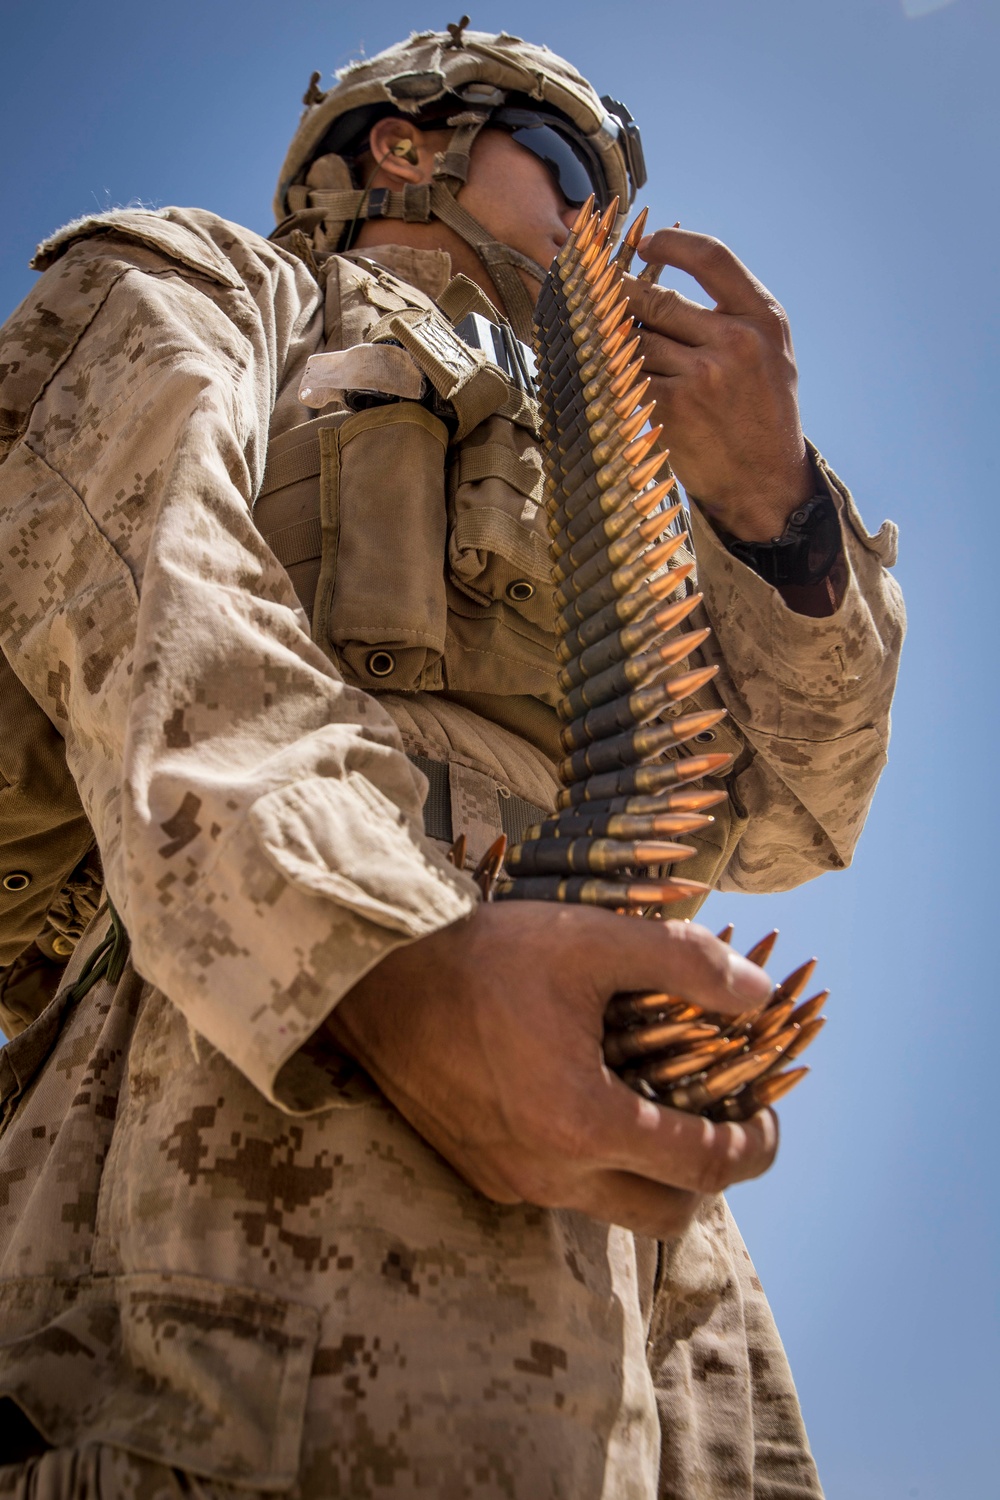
x=462 y=80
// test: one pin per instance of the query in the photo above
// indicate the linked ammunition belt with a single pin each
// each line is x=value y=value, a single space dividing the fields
x=628 y=779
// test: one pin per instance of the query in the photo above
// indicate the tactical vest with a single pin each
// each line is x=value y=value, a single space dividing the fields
x=419 y=550
x=414 y=536
x=417 y=545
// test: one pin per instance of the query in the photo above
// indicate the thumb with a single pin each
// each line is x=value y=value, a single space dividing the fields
x=682 y=959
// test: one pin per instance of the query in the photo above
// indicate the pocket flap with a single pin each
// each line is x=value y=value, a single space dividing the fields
x=188 y=1372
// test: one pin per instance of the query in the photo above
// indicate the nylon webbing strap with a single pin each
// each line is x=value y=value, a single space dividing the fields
x=516 y=815
x=493 y=460
x=488 y=530
x=437 y=808
x=300 y=542
x=498 y=259
x=412 y=204
x=298 y=463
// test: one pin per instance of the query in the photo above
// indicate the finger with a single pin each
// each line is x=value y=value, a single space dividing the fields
x=634 y=1203
x=713 y=265
x=663 y=309
x=679 y=957
x=632 y=1134
x=663 y=356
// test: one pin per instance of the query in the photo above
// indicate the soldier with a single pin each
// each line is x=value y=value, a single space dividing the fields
x=272 y=644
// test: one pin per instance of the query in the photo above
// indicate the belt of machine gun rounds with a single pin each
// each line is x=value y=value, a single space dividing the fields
x=622 y=805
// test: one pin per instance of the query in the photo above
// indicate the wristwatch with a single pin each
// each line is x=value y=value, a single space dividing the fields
x=805 y=551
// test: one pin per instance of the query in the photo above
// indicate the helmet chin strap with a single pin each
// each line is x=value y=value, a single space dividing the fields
x=502 y=262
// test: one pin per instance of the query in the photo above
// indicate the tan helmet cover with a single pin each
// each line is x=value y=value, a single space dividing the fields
x=413 y=75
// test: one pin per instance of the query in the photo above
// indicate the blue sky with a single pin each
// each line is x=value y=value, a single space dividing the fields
x=846 y=149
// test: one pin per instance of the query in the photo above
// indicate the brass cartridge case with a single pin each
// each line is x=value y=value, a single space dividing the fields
x=629 y=641
x=644 y=779
x=595 y=856
x=590 y=891
x=622 y=750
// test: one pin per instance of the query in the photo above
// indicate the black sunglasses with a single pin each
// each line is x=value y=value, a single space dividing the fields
x=576 y=169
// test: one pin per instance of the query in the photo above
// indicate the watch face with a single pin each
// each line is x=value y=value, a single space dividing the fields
x=804 y=553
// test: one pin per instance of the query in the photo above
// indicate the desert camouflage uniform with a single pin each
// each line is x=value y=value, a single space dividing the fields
x=226 y=1263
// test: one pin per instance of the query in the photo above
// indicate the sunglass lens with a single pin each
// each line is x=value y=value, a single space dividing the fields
x=567 y=165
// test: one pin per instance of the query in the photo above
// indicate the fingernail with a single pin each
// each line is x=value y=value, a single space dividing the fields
x=746 y=980
x=644 y=245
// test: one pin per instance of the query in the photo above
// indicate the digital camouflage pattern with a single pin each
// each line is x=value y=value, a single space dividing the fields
x=328 y=1281
x=225 y=1261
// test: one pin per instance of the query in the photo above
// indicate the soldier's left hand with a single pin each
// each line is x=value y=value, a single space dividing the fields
x=724 y=381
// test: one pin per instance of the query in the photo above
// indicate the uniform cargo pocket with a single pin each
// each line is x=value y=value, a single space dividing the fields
x=189 y=1372
x=380 y=603
x=498 y=544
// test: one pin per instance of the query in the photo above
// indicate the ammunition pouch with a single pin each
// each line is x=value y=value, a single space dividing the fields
x=413 y=532
x=380 y=608
x=502 y=619
x=497 y=550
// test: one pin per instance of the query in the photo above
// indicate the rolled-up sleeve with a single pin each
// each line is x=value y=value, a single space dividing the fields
x=811 y=698
x=259 y=824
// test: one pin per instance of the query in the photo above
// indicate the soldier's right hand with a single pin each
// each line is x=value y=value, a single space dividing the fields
x=486 y=1036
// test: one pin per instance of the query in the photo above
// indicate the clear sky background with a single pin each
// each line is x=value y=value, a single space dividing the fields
x=847 y=150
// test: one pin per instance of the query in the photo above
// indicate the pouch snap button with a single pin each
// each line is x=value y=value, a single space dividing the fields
x=520 y=590
x=62 y=946
x=17 y=880
x=380 y=663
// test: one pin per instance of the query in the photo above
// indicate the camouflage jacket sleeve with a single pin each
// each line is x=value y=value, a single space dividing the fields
x=810 y=696
x=259 y=825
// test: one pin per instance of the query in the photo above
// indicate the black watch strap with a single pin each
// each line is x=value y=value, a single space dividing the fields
x=805 y=551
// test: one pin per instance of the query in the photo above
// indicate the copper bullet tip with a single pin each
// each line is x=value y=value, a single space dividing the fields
x=588 y=232
x=762 y=950
x=802 y=1037
x=620 y=383
x=608 y=217
x=456 y=854
x=649 y=468
x=791 y=987
x=677 y=650
x=672 y=614
x=584 y=214
x=639 y=447
x=624 y=356
x=634 y=232
x=691 y=724
x=690 y=800
x=809 y=1009
x=672 y=579
x=703 y=765
x=770 y=1090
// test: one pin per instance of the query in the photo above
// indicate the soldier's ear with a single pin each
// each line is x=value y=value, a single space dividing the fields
x=401 y=151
